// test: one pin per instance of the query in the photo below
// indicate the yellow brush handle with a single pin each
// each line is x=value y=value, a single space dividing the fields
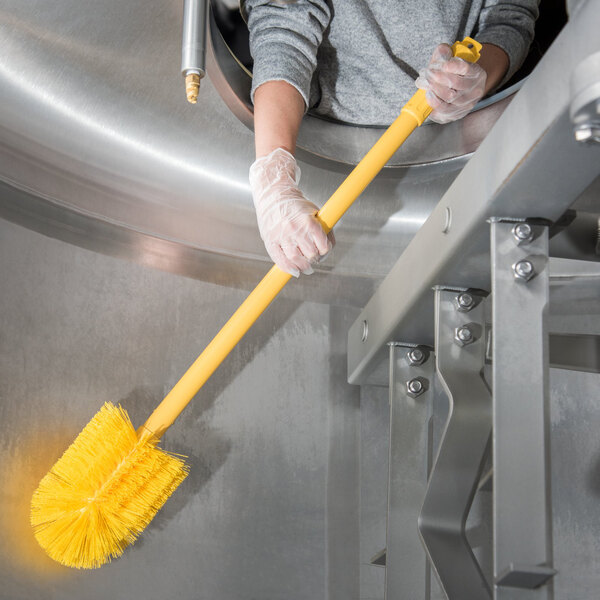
x=413 y=113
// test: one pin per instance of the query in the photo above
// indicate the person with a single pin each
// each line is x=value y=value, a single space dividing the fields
x=357 y=61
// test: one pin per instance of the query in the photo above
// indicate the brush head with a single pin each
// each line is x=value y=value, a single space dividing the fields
x=103 y=491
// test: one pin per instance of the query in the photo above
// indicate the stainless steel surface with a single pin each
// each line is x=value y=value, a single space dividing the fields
x=522 y=502
x=407 y=570
x=374 y=474
x=270 y=509
x=460 y=459
x=575 y=308
x=563 y=270
x=99 y=147
x=574 y=311
x=525 y=577
x=577 y=352
x=193 y=42
x=585 y=106
x=529 y=165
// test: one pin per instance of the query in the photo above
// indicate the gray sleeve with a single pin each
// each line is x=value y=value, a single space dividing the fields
x=284 y=39
x=509 y=25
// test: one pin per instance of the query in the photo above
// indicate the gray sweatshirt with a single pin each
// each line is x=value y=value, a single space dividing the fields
x=356 y=60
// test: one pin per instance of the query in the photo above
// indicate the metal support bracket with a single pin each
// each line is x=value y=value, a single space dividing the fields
x=411 y=378
x=522 y=528
x=460 y=357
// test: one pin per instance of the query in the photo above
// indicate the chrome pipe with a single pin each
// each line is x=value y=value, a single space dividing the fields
x=193 y=47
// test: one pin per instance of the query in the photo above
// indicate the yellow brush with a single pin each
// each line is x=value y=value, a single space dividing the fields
x=112 y=480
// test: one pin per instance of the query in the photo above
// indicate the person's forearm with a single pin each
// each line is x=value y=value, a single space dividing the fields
x=494 y=61
x=278 y=111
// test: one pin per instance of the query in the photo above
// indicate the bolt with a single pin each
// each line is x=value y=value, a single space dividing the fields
x=523 y=232
x=464 y=302
x=447 y=220
x=523 y=270
x=415 y=387
x=365 y=331
x=463 y=335
x=588 y=133
x=417 y=357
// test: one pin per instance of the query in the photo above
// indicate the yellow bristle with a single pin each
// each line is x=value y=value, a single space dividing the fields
x=102 y=492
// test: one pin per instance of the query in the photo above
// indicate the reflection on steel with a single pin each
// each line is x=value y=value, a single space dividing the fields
x=585 y=106
x=522 y=504
x=457 y=468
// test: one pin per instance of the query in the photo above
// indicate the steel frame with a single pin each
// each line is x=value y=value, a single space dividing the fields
x=407 y=569
x=525 y=175
x=457 y=469
x=529 y=165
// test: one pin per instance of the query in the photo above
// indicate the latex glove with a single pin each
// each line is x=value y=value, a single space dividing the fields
x=292 y=235
x=454 y=86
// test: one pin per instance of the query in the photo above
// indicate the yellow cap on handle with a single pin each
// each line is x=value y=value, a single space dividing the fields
x=412 y=115
x=469 y=50
x=417 y=106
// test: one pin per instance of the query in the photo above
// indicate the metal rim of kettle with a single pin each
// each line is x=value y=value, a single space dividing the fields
x=341 y=144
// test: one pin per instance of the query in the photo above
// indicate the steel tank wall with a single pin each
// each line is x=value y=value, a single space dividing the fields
x=99 y=147
x=270 y=509
x=99 y=150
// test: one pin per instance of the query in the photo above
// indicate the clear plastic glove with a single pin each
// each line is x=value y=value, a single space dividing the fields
x=292 y=235
x=453 y=85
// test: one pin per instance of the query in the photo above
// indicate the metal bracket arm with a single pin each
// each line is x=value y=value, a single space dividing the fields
x=411 y=375
x=460 y=357
x=522 y=530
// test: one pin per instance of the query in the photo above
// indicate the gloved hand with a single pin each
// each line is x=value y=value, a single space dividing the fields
x=453 y=85
x=292 y=235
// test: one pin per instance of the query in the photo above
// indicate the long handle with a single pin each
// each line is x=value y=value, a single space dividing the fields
x=412 y=115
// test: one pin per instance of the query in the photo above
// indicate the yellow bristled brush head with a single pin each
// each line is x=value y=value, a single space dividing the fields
x=103 y=491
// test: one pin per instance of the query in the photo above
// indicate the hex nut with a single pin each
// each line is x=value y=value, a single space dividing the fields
x=523 y=233
x=588 y=133
x=463 y=336
x=417 y=356
x=415 y=387
x=523 y=270
x=464 y=302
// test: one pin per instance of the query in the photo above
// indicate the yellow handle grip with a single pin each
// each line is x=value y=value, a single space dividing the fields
x=412 y=115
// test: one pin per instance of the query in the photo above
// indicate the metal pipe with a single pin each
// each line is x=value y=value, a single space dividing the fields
x=193 y=47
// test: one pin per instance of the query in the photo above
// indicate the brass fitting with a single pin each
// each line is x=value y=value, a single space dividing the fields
x=192 y=87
